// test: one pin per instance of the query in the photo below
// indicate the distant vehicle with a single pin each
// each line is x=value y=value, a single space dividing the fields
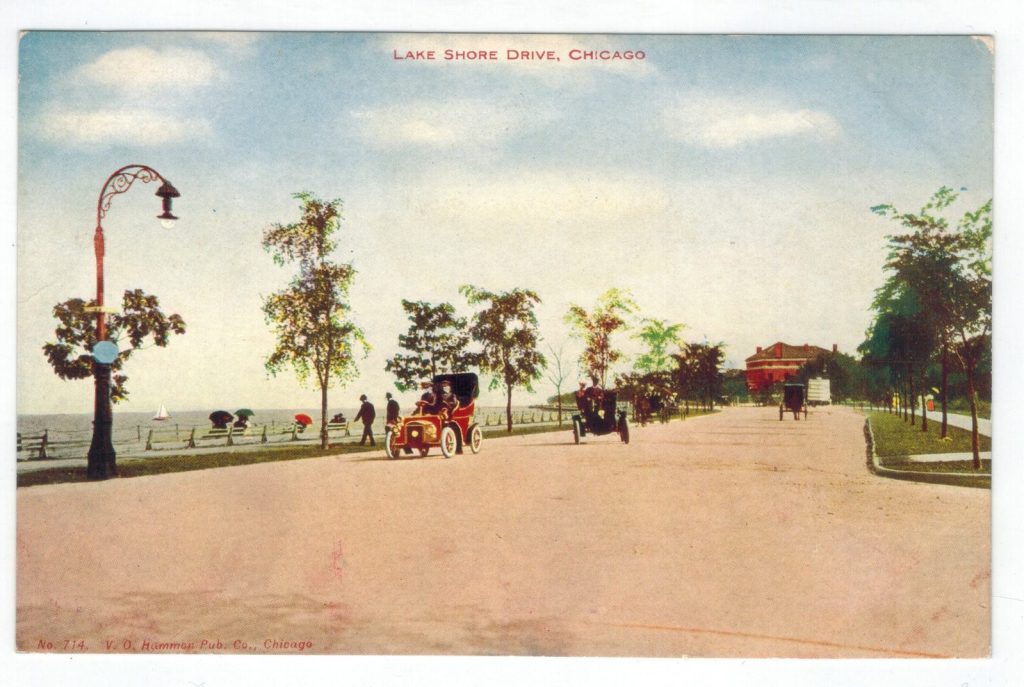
x=792 y=400
x=604 y=418
x=819 y=391
x=434 y=427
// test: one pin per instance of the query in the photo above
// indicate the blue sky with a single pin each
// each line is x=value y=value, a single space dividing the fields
x=725 y=180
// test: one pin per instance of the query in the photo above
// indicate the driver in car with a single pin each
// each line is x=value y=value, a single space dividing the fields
x=427 y=400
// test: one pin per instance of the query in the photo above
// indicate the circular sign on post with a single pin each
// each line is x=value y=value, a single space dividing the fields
x=105 y=352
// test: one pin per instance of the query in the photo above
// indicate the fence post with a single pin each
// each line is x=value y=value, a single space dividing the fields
x=42 y=446
x=263 y=439
x=149 y=441
x=191 y=437
x=231 y=431
x=295 y=433
x=138 y=432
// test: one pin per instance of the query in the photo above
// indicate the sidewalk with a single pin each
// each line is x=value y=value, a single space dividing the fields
x=940 y=457
x=962 y=421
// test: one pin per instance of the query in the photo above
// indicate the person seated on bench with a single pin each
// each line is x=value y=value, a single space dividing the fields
x=339 y=418
x=241 y=423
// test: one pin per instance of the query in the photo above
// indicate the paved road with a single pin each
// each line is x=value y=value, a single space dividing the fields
x=729 y=535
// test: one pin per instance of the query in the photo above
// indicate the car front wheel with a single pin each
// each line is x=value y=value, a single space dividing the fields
x=391 y=445
x=449 y=442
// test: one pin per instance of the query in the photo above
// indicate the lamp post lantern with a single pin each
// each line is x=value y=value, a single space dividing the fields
x=102 y=458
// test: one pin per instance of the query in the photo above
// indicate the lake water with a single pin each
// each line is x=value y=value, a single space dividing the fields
x=131 y=429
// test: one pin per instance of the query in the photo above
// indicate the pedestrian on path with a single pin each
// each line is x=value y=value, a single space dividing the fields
x=367 y=413
x=392 y=411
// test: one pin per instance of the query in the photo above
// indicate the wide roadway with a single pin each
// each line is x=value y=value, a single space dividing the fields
x=729 y=535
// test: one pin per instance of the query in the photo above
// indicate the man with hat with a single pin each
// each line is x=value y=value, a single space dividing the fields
x=367 y=413
x=428 y=400
x=448 y=402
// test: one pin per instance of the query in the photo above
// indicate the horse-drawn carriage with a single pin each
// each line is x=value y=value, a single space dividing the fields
x=793 y=400
x=440 y=421
x=599 y=415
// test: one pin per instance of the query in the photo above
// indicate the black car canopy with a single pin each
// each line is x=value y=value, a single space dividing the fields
x=464 y=385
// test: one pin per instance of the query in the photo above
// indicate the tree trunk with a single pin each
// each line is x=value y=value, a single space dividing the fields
x=945 y=386
x=972 y=398
x=924 y=410
x=508 y=408
x=912 y=395
x=558 y=390
x=323 y=415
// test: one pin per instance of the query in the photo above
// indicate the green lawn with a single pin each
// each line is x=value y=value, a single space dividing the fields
x=894 y=437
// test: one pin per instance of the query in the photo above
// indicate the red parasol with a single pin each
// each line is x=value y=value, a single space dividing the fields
x=303 y=419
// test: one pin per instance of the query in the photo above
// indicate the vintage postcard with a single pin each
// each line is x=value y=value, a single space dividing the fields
x=549 y=345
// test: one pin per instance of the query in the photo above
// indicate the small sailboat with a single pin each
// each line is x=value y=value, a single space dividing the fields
x=162 y=414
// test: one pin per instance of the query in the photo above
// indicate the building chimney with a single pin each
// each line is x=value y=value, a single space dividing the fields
x=835 y=348
x=758 y=349
x=778 y=350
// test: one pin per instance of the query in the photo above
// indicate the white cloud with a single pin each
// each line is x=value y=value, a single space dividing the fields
x=715 y=122
x=446 y=123
x=128 y=127
x=571 y=199
x=144 y=69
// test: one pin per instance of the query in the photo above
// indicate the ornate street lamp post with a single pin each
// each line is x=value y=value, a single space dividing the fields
x=102 y=459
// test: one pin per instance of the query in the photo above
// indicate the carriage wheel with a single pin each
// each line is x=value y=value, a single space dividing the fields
x=391 y=445
x=476 y=438
x=449 y=442
x=577 y=430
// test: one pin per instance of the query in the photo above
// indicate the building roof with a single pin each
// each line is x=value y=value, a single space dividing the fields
x=789 y=351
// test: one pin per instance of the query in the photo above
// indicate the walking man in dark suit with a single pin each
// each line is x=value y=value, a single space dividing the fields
x=367 y=413
x=392 y=411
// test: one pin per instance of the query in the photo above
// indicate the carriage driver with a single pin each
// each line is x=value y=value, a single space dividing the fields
x=427 y=400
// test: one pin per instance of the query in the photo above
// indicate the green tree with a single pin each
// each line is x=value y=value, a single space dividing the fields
x=437 y=342
x=698 y=373
x=139 y=321
x=315 y=338
x=950 y=270
x=506 y=330
x=659 y=338
x=596 y=329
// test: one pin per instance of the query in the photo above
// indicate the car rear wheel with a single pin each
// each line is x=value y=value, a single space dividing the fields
x=476 y=438
x=391 y=445
x=449 y=442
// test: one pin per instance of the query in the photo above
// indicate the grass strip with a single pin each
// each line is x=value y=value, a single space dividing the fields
x=896 y=438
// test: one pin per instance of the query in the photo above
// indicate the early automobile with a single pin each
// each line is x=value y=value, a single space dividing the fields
x=441 y=419
x=599 y=414
x=793 y=400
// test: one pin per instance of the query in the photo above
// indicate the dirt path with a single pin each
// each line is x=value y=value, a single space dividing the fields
x=730 y=535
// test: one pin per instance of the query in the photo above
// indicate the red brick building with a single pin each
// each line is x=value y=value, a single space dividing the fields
x=778 y=362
